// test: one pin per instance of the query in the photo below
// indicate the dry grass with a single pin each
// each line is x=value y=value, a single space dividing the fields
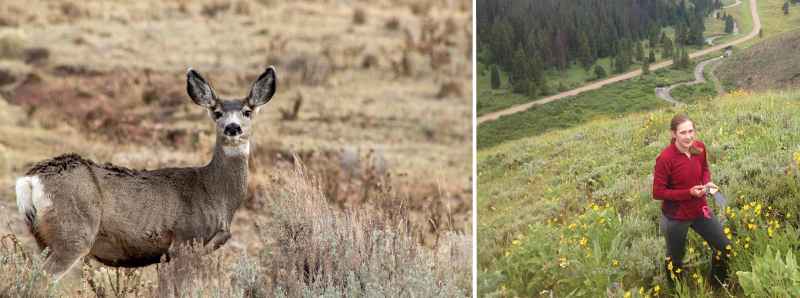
x=308 y=247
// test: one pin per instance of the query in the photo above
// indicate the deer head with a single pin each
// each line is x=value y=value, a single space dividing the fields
x=233 y=117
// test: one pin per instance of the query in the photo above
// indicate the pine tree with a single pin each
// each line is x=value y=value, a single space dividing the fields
x=495 y=77
x=584 y=51
x=646 y=68
x=502 y=43
x=667 y=48
x=599 y=71
x=652 y=57
x=786 y=7
x=619 y=63
x=728 y=24
x=639 y=52
x=695 y=34
x=520 y=72
x=533 y=89
x=681 y=35
x=544 y=88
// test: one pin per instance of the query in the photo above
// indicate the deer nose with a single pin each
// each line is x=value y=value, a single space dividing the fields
x=232 y=130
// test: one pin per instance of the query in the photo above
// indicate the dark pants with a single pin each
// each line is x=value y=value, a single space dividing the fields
x=710 y=229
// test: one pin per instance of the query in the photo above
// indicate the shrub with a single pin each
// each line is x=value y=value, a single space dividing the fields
x=22 y=275
x=320 y=250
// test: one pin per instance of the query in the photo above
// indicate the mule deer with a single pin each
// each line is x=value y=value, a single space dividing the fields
x=131 y=218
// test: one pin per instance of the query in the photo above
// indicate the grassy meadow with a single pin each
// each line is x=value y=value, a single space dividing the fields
x=570 y=212
x=612 y=101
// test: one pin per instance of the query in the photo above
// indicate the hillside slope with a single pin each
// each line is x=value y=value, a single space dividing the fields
x=570 y=211
x=772 y=64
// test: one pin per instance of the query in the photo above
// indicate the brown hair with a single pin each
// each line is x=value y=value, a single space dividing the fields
x=679 y=119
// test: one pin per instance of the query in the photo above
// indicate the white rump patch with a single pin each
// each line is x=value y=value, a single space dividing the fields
x=31 y=196
x=243 y=149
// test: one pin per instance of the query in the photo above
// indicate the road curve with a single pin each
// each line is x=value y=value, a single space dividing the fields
x=664 y=92
x=595 y=85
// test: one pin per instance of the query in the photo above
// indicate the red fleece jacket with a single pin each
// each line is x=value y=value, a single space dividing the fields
x=674 y=175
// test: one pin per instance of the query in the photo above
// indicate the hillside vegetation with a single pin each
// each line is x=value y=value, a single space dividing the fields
x=613 y=101
x=771 y=64
x=570 y=212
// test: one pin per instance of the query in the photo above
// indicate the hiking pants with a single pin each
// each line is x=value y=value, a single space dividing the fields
x=709 y=228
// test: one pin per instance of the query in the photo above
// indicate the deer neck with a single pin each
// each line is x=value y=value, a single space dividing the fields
x=225 y=177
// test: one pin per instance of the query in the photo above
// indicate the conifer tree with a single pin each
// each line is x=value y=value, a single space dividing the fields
x=495 y=77
x=599 y=71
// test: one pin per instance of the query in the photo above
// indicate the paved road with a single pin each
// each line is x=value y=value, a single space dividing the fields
x=664 y=92
x=595 y=85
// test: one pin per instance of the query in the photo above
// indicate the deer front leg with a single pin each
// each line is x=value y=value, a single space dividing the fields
x=216 y=241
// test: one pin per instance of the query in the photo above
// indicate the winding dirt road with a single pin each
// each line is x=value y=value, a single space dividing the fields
x=595 y=85
x=664 y=92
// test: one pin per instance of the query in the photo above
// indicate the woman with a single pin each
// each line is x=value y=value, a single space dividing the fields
x=681 y=180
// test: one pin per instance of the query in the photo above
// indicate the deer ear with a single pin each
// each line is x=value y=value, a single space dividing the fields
x=263 y=88
x=199 y=90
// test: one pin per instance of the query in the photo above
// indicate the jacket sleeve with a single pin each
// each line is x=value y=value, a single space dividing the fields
x=660 y=180
x=705 y=170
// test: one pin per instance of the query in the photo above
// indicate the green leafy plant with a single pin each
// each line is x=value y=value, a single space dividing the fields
x=772 y=276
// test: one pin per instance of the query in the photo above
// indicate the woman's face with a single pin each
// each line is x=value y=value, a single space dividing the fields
x=684 y=134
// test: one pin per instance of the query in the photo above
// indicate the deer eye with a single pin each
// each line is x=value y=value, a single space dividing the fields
x=217 y=115
x=247 y=113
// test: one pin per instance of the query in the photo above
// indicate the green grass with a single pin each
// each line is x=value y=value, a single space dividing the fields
x=741 y=14
x=773 y=22
x=694 y=93
x=490 y=100
x=570 y=213
x=611 y=101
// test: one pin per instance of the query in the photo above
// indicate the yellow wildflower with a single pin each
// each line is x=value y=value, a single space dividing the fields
x=614 y=263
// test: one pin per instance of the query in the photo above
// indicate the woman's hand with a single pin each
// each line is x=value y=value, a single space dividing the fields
x=711 y=185
x=698 y=191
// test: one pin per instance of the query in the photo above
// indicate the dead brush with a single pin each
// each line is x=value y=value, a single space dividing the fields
x=196 y=273
x=115 y=282
x=216 y=8
x=359 y=16
x=292 y=114
x=360 y=252
x=22 y=275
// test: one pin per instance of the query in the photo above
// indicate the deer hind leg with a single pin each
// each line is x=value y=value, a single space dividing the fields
x=69 y=234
